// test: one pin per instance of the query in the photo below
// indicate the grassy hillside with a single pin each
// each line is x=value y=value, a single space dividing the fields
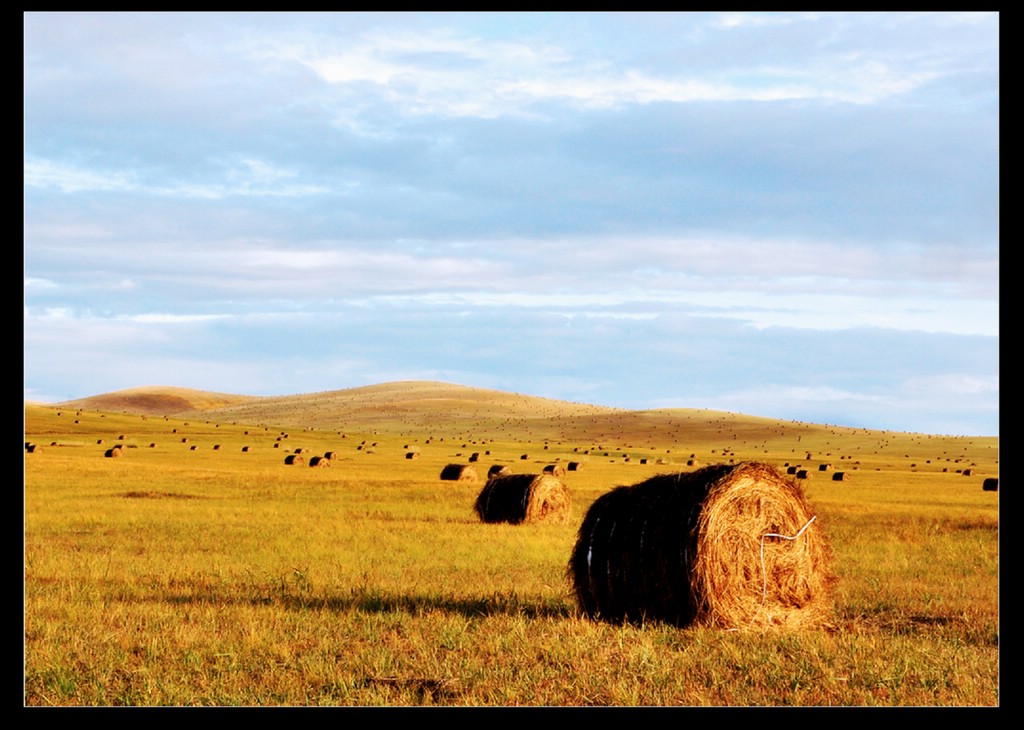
x=199 y=569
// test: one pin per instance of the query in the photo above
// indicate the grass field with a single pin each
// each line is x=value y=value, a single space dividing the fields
x=189 y=571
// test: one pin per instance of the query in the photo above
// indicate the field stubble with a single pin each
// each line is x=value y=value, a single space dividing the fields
x=173 y=576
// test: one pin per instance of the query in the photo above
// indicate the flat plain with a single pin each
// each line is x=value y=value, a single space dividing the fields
x=197 y=568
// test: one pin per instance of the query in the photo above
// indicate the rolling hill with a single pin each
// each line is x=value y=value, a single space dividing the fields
x=426 y=407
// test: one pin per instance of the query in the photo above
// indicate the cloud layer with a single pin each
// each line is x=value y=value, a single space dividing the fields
x=783 y=214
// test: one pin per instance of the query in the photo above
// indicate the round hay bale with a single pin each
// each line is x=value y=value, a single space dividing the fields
x=803 y=474
x=497 y=470
x=294 y=459
x=475 y=456
x=320 y=461
x=518 y=498
x=990 y=485
x=824 y=467
x=575 y=466
x=330 y=455
x=458 y=473
x=728 y=545
x=555 y=470
x=412 y=454
x=112 y=453
x=840 y=476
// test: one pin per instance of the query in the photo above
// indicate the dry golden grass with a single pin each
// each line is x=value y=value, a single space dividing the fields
x=218 y=576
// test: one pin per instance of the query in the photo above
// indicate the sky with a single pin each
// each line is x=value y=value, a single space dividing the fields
x=790 y=215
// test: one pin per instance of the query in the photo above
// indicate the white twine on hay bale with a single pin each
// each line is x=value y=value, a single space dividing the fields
x=764 y=572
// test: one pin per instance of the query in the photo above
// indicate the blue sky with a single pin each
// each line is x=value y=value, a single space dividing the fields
x=782 y=214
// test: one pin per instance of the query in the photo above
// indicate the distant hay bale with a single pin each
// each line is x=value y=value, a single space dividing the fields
x=824 y=467
x=458 y=473
x=555 y=470
x=803 y=474
x=475 y=456
x=245 y=448
x=497 y=470
x=518 y=498
x=216 y=447
x=791 y=470
x=412 y=454
x=320 y=461
x=575 y=466
x=294 y=459
x=728 y=545
x=692 y=462
x=193 y=447
x=968 y=472
x=840 y=476
x=33 y=448
x=990 y=485
x=524 y=457
x=112 y=453
x=331 y=455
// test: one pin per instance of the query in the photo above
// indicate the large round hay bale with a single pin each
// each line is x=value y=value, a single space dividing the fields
x=728 y=545
x=991 y=484
x=320 y=461
x=517 y=498
x=112 y=453
x=458 y=473
x=294 y=459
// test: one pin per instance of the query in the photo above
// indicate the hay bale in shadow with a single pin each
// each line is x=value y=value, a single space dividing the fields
x=113 y=453
x=320 y=461
x=294 y=459
x=728 y=545
x=497 y=470
x=555 y=470
x=990 y=485
x=840 y=476
x=575 y=466
x=517 y=498
x=458 y=473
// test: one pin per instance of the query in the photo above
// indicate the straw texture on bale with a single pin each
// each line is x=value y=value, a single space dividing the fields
x=517 y=498
x=728 y=545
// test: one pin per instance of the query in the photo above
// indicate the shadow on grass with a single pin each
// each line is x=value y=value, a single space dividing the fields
x=371 y=600
x=376 y=601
